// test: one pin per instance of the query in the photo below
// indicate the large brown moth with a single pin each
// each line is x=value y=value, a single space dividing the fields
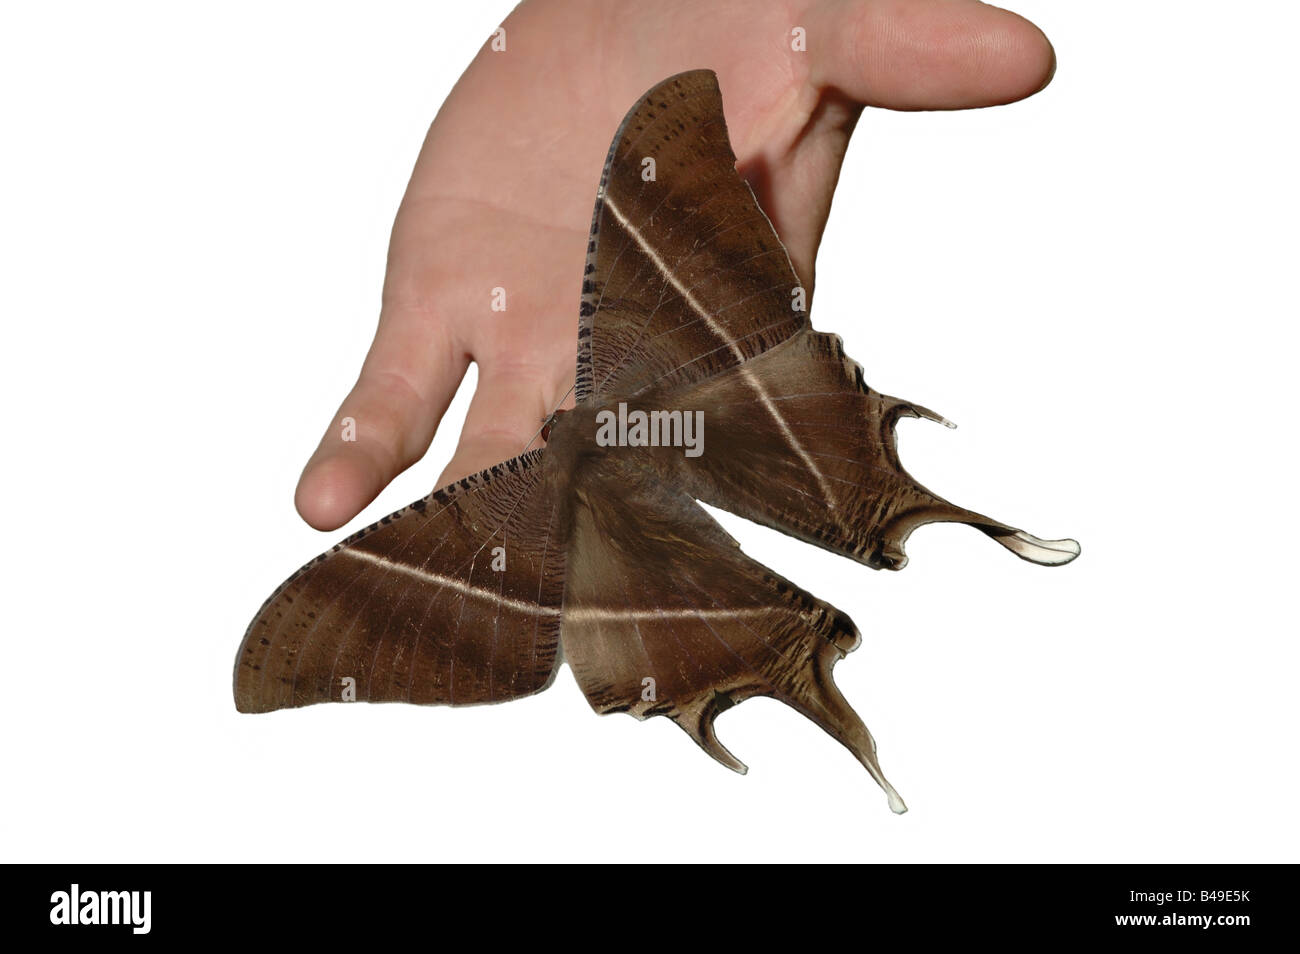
x=594 y=549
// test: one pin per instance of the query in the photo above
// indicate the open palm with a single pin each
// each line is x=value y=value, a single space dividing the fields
x=502 y=193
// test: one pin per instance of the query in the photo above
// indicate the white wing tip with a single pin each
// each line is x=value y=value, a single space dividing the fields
x=896 y=804
x=1043 y=552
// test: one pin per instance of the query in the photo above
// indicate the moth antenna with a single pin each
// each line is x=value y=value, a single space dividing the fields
x=542 y=431
x=697 y=722
x=562 y=399
x=819 y=700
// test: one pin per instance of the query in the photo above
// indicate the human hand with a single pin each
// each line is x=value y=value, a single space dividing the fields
x=502 y=192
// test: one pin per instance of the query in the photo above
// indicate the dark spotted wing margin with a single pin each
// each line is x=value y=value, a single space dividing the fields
x=453 y=600
x=797 y=440
x=685 y=275
x=664 y=615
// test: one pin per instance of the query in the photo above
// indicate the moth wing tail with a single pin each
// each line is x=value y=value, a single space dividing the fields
x=930 y=508
x=696 y=720
x=820 y=700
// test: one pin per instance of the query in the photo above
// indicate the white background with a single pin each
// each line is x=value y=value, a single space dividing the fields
x=1097 y=284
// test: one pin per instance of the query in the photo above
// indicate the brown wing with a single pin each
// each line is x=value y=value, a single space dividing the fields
x=797 y=440
x=454 y=599
x=664 y=615
x=685 y=275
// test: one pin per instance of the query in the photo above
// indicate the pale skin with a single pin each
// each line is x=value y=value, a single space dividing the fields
x=502 y=192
